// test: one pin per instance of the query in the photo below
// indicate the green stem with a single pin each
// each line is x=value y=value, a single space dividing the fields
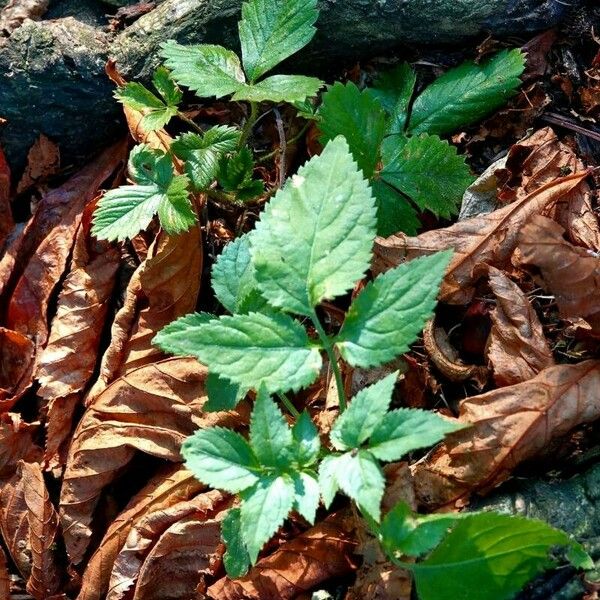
x=291 y=141
x=250 y=121
x=288 y=404
x=328 y=347
x=191 y=123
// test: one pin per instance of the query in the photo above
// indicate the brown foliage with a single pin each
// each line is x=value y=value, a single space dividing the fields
x=6 y=218
x=4 y=576
x=16 y=366
x=43 y=161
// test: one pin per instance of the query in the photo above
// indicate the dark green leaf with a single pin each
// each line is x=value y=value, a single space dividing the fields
x=394 y=90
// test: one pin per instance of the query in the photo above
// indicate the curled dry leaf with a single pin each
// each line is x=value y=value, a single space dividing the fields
x=6 y=218
x=517 y=349
x=16 y=366
x=323 y=552
x=59 y=423
x=570 y=273
x=489 y=239
x=169 y=487
x=43 y=161
x=4 y=576
x=134 y=558
x=16 y=442
x=14 y=524
x=508 y=425
x=151 y=409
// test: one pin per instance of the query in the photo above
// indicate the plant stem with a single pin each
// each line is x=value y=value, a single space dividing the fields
x=328 y=347
x=290 y=142
x=288 y=404
x=250 y=121
x=191 y=123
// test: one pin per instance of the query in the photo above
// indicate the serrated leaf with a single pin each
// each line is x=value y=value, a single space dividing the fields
x=407 y=429
x=390 y=312
x=247 y=349
x=394 y=212
x=280 y=88
x=138 y=97
x=273 y=30
x=222 y=394
x=328 y=483
x=364 y=413
x=306 y=440
x=235 y=559
x=265 y=507
x=489 y=554
x=166 y=87
x=359 y=117
x=235 y=171
x=466 y=94
x=394 y=90
x=206 y=69
x=270 y=435
x=221 y=458
x=307 y=495
x=431 y=172
x=175 y=210
x=314 y=239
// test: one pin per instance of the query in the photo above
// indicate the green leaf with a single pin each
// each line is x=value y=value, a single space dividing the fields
x=488 y=556
x=273 y=30
x=366 y=411
x=270 y=435
x=394 y=90
x=247 y=349
x=138 y=97
x=306 y=440
x=307 y=495
x=466 y=94
x=236 y=559
x=280 y=88
x=328 y=482
x=407 y=429
x=206 y=69
x=166 y=87
x=235 y=175
x=222 y=394
x=314 y=239
x=265 y=507
x=432 y=173
x=394 y=212
x=359 y=117
x=175 y=210
x=221 y=458
x=390 y=312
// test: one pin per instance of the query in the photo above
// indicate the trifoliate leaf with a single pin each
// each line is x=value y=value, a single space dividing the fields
x=235 y=559
x=306 y=440
x=394 y=212
x=390 y=312
x=175 y=210
x=222 y=394
x=166 y=87
x=265 y=507
x=307 y=495
x=364 y=413
x=314 y=239
x=466 y=94
x=489 y=556
x=247 y=349
x=270 y=435
x=280 y=88
x=221 y=458
x=272 y=30
x=206 y=69
x=404 y=430
x=394 y=90
x=235 y=175
x=359 y=117
x=431 y=172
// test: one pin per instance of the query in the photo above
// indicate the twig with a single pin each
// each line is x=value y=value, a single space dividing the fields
x=556 y=119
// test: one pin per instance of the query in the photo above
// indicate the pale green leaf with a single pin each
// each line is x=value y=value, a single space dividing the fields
x=314 y=239
x=489 y=556
x=306 y=440
x=466 y=94
x=247 y=349
x=359 y=117
x=206 y=69
x=221 y=458
x=394 y=90
x=280 y=88
x=136 y=96
x=390 y=312
x=364 y=413
x=273 y=30
x=307 y=495
x=222 y=394
x=265 y=507
x=235 y=559
x=431 y=172
x=394 y=211
x=328 y=483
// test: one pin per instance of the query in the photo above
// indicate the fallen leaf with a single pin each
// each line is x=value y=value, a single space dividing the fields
x=151 y=409
x=59 y=425
x=489 y=239
x=14 y=525
x=43 y=161
x=4 y=577
x=323 y=552
x=16 y=11
x=6 y=219
x=570 y=273
x=16 y=442
x=167 y=488
x=508 y=425
x=16 y=366
x=517 y=348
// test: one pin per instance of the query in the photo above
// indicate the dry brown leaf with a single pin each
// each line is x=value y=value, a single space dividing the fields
x=151 y=409
x=4 y=576
x=6 y=218
x=508 y=425
x=489 y=239
x=517 y=349
x=168 y=488
x=43 y=161
x=570 y=273
x=145 y=534
x=16 y=442
x=16 y=366
x=323 y=552
x=59 y=425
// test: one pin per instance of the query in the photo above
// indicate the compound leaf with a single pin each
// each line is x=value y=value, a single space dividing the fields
x=236 y=559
